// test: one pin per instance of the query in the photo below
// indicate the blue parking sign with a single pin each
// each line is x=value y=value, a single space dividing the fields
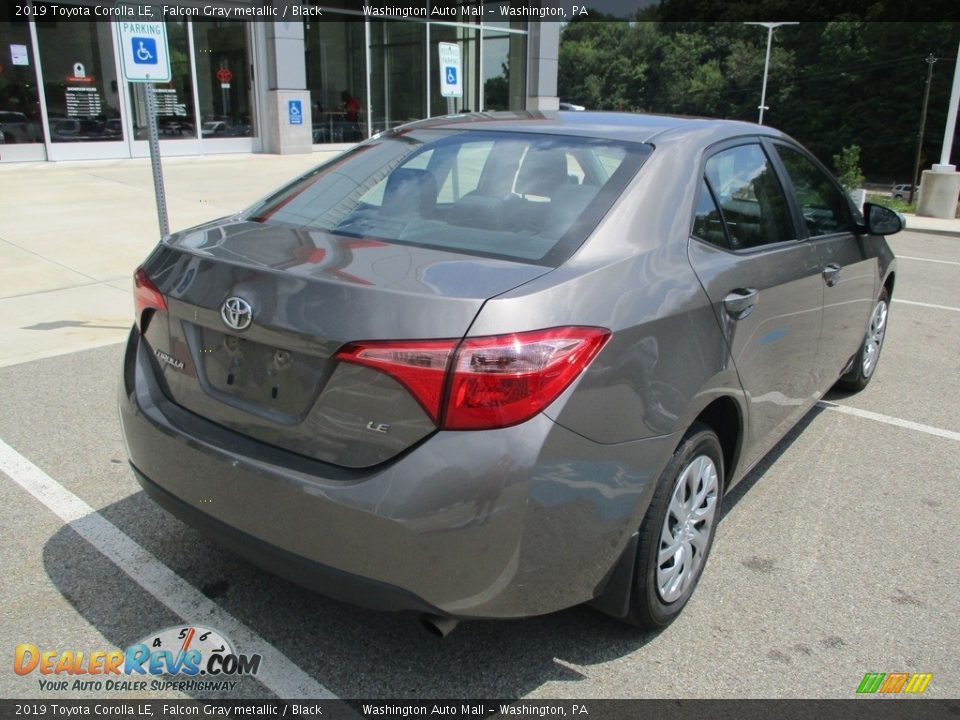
x=295 y=111
x=451 y=75
x=144 y=50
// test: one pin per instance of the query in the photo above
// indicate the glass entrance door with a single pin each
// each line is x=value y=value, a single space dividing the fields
x=224 y=86
x=176 y=104
x=82 y=90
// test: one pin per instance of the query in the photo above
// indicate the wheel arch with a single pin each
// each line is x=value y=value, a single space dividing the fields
x=888 y=283
x=724 y=415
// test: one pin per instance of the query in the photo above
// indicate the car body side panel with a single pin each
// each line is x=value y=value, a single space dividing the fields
x=847 y=305
x=633 y=277
x=774 y=348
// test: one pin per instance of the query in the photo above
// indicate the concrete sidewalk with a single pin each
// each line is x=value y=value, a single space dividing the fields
x=72 y=233
x=937 y=225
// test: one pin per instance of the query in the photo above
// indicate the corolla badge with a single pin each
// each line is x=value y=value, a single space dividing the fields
x=236 y=313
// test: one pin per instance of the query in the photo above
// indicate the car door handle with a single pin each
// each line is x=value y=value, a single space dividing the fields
x=831 y=274
x=740 y=302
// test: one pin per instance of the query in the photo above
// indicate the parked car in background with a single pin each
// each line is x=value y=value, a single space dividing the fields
x=571 y=106
x=213 y=128
x=499 y=365
x=79 y=129
x=15 y=127
x=902 y=191
x=224 y=128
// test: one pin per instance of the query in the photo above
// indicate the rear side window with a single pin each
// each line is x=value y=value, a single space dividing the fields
x=824 y=206
x=754 y=208
x=707 y=222
x=518 y=196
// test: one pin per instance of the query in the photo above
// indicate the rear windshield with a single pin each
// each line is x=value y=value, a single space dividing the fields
x=527 y=197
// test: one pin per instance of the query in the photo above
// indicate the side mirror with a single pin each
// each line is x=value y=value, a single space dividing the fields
x=880 y=220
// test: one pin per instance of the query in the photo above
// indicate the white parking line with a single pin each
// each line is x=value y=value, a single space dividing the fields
x=898 y=422
x=940 y=262
x=278 y=674
x=928 y=305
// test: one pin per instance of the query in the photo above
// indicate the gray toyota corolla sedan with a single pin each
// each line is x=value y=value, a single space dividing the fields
x=497 y=365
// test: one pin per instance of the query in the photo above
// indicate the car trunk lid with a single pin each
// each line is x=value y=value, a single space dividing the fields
x=309 y=293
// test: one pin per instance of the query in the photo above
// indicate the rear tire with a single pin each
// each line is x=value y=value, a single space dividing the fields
x=865 y=364
x=678 y=530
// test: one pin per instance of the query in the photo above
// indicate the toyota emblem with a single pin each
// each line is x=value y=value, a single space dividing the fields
x=236 y=313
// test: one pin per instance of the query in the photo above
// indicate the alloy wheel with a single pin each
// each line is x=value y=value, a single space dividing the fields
x=687 y=527
x=874 y=339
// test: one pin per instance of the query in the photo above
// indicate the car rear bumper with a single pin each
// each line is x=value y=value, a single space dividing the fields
x=503 y=523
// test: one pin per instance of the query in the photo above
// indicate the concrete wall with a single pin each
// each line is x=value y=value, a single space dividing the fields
x=286 y=80
x=543 y=52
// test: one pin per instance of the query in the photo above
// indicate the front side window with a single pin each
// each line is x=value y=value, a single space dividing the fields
x=824 y=207
x=752 y=202
x=497 y=194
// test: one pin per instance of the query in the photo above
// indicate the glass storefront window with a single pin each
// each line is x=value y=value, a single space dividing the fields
x=175 y=114
x=397 y=81
x=337 y=79
x=19 y=102
x=504 y=70
x=79 y=81
x=223 y=79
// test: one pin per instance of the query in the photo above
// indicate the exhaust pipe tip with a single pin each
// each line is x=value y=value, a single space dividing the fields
x=438 y=626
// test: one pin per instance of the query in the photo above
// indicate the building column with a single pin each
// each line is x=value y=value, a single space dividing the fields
x=286 y=131
x=543 y=52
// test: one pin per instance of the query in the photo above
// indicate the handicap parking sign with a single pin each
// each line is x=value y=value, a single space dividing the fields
x=295 y=111
x=451 y=85
x=144 y=50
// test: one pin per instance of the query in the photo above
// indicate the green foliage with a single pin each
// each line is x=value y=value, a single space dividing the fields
x=893 y=203
x=847 y=167
x=602 y=65
x=831 y=85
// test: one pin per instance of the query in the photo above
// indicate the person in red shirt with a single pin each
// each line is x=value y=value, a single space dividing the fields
x=350 y=106
x=351 y=116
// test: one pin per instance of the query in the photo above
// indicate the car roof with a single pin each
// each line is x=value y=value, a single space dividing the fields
x=632 y=127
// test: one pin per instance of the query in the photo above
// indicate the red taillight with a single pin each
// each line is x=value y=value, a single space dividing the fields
x=420 y=366
x=146 y=296
x=506 y=379
x=493 y=381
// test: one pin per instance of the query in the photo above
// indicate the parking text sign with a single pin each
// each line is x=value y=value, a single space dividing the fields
x=451 y=79
x=146 y=57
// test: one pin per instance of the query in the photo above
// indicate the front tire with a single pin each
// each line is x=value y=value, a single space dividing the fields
x=678 y=530
x=865 y=365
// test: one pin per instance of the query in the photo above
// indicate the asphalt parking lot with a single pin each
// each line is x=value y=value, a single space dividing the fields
x=834 y=558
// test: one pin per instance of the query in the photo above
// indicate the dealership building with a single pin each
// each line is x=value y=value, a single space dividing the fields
x=334 y=74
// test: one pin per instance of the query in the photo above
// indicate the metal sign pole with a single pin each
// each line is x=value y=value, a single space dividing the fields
x=154 y=138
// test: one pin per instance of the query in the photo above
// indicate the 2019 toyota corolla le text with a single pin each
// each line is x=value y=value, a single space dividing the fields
x=501 y=364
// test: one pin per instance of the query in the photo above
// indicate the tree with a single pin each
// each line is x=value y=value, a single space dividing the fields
x=832 y=85
x=847 y=167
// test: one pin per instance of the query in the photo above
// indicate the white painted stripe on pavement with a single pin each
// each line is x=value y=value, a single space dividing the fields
x=898 y=422
x=277 y=672
x=929 y=305
x=940 y=262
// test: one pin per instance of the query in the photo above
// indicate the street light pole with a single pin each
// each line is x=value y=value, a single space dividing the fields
x=770 y=26
x=930 y=60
